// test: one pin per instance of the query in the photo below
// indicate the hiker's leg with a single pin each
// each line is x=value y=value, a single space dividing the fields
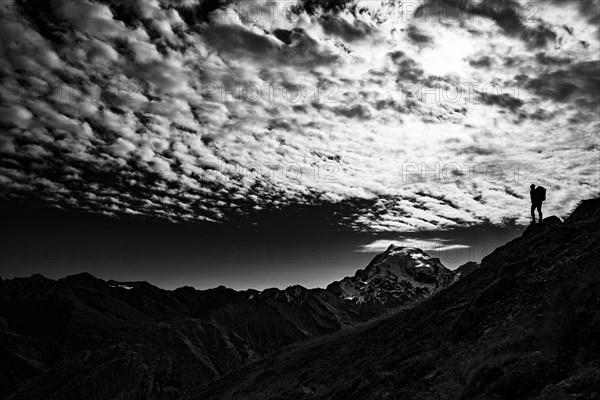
x=539 y=207
x=533 y=213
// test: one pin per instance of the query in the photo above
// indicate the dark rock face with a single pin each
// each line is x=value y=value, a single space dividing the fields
x=525 y=325
x=82 y=337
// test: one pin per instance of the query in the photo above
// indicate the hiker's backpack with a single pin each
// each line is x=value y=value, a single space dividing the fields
x=541 y=192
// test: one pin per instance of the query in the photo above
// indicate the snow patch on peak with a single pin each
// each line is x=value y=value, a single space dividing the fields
x=122 y=286
x=420 y=260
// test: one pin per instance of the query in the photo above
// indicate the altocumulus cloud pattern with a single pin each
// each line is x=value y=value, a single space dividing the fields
x=436 y=112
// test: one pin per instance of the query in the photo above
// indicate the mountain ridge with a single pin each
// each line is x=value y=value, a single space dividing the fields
x=84 y=275
x=87 y=321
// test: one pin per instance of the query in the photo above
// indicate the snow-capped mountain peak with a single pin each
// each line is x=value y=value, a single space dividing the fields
x=399 y=275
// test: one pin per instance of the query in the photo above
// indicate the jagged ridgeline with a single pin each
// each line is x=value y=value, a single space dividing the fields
x=82 y=337
x=525 y=324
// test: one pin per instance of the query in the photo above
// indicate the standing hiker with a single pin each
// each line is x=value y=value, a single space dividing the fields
x=538 y=195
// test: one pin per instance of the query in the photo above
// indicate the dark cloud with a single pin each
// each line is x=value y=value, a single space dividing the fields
x=539 y=36
x=580 y=82
x=327 y=6
x=504 y=100
x=350 y=32
x=478 y=150
x=355 y=111
x=418 y=37
x=568 y=29
x=481 y=62
x=510 y=192
x=279 y=123
x=409 y=70
x=238 y=41
x=546 y=59
x=52 y=18
x=507 y=14
x=242 y=42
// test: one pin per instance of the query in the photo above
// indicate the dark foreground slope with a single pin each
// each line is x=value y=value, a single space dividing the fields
x=526 y=325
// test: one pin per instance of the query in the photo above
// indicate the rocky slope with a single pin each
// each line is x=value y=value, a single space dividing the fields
x=82 y=337
x=525 y=325
x=467 y=268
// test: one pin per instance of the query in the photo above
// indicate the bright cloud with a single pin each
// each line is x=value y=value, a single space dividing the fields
x=438 y=116
x=437 y=245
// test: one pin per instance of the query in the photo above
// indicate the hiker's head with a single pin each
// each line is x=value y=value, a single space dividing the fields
x=532 y=187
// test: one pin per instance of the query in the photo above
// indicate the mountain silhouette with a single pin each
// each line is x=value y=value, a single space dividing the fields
x=524 y=325
x=83 y=337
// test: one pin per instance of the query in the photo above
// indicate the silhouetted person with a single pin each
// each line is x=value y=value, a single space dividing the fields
x=538 y=195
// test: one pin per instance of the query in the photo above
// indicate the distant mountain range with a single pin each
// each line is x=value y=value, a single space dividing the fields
x=84 y=338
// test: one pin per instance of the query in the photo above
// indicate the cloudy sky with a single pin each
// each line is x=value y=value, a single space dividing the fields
x=354 y=122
